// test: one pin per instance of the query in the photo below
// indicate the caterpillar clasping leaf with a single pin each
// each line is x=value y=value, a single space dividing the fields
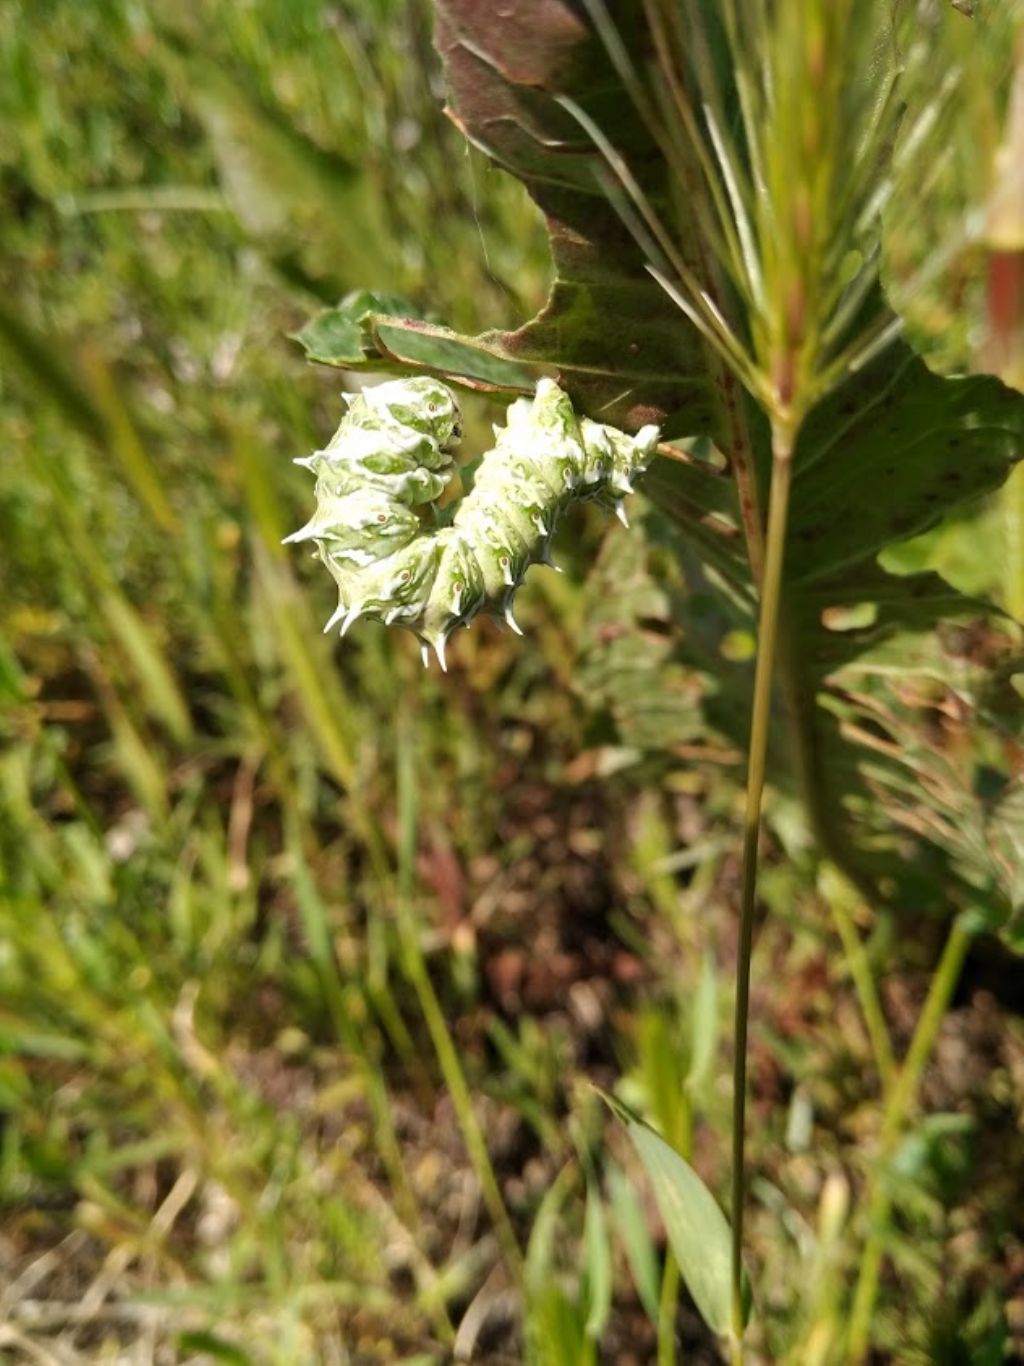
x=391 y=458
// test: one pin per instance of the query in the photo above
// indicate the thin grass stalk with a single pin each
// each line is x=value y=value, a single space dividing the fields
x=415 y=968
x=867 y=996
x=778 y=510
x=901 y=1097
x=360 y=1040
x=159 y=690
x=1013 y=521
x=617 y=164
x=667 y=1311
x=686 y=150
x=727 y=348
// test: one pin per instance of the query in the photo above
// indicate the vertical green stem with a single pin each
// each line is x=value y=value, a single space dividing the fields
x=778 y=509
x=667 y=1311
x=1013 y=515
x=901 y=1097
x=864 y=985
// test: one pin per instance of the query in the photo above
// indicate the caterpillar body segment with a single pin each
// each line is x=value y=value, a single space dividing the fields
x=390 y=458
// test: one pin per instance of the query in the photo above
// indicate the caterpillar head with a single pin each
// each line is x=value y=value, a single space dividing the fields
x=620 y=458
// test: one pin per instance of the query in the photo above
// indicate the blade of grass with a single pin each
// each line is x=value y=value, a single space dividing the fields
x=123 y=439
x=838 y=895
x=901 y=1098
x=415 y=968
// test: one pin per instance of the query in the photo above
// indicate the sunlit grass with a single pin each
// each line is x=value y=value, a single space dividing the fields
x=229 y=954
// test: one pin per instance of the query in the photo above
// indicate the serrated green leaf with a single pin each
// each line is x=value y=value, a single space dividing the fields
x=888 y=453
x=508 y=83
x=916 y=734
x=602 y=293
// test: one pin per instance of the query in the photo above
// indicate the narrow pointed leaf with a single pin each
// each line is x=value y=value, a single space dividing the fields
x=697 y=1229
x=598 y=1264
x=631 y=1224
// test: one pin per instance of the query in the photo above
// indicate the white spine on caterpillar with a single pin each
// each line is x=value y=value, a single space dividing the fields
x=391 y=455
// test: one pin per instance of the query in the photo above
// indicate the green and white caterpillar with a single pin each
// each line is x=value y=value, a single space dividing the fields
x=391 y=455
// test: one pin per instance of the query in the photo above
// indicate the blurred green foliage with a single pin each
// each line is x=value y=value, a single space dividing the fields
x=223 y=1133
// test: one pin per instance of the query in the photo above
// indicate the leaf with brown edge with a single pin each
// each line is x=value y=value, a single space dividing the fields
x=505 y=67
x=361 y=333
x=608 y=333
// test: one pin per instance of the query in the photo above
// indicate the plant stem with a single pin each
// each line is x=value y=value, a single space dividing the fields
x=778 y=509
x=458 y=1089
x=901 y=1097
x=1013 y=513
x=415 y=967
x=863 y=983
x=667 y=1311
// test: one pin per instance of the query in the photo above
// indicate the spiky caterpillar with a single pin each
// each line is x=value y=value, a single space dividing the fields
x=391 y=456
